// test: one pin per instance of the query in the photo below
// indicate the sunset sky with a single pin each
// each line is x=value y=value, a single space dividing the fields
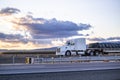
x=31 y=24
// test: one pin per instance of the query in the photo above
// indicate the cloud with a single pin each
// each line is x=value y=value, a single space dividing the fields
x=16 y=41
x=104 y=39
x=41 y=28
x=113 y=38
x=9 y=11
x=52 y=28
x=35 y=32
x=12 y=38
x=96 y=39
x=20 y=45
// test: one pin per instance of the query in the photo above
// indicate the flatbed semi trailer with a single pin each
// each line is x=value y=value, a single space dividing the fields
x=103 y=48
x=78 y=47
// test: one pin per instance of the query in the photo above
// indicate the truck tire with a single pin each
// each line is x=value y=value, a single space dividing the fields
x=91 y=53
x=97 y=53
x=68 y=53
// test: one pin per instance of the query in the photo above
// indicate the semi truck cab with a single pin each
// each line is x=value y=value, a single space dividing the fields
x=72 y=47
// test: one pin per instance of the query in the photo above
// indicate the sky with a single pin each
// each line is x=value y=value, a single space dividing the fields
x=31 y=24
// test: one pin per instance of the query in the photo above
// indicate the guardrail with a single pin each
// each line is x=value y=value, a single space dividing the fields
x=75 y=59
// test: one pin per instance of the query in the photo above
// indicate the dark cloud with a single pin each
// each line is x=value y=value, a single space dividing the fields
x=113 y=38
x=96 y=39
x=104 y=39
x=11 y=37
x=9 y=11
x=43 y=28
x=15 y=38
x=41 y=41
x=46 y=28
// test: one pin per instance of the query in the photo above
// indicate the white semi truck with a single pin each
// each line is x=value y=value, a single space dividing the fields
x=72 y=47
x=78 y=47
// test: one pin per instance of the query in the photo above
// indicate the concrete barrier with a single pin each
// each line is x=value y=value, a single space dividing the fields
x=76 y=59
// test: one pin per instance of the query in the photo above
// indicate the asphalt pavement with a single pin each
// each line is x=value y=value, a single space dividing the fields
x=43 y=68
x=69 y=71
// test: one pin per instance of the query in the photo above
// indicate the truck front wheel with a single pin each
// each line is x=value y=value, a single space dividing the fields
x=68 y=53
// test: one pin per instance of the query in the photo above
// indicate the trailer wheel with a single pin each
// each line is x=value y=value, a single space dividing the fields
x=90 y=53
x=68 y=53
x=97 y=53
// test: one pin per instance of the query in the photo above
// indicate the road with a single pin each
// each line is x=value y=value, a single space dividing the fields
x=74 y=71
x=43 y=68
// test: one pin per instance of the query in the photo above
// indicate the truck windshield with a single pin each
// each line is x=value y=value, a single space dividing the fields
x=69 y=43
